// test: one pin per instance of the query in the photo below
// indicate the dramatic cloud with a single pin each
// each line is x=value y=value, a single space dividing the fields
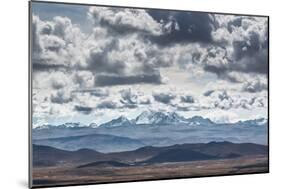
x=40 y=66
x=165 y=98
x=96 y=92
x=130 y=60
x=126 y=60
x=128 y=97
x=180 y=27
x=245 y=42
x=83 y=109
x=61 y=97
x=187 y=99
x=107 y=105
x=55 y=44
x=123 y=20
x=208 y=93
x=110 y=80
x=223 y=100
x=131 y=99
x=255 y=86
x=84 y=79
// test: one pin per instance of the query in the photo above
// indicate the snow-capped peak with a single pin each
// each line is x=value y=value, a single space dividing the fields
x=120 y=121
x=46 y=126
x=152 y=117
x=66 y=125
x=144 y=117
x=198 y=120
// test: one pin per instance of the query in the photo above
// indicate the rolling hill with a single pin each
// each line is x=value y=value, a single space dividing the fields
x=49 y=156
x=98 y=142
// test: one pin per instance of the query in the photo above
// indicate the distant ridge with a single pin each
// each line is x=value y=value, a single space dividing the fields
x=99 y=142
x=121 y=121
x=66 y=125
x=49 y=156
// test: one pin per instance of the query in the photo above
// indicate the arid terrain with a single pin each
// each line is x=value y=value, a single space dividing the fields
x=71 y=174
x=53 y=166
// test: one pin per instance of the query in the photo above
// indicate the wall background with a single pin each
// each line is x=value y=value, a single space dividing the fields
x=14 y=88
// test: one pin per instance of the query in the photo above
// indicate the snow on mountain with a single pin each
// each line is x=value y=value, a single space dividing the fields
x=67 y=125
x=144 y=118
x=121 y=121
x=151 y=117
x=254 y=122
x=198 y=120
x=158 y=118
x=44 y=127
x=154 y=118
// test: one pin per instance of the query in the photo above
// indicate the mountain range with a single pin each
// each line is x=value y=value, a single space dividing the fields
x=156 y=118
x=99 y=142
x=147 y=129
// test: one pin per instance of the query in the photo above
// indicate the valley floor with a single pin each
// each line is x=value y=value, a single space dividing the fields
x=70 y=174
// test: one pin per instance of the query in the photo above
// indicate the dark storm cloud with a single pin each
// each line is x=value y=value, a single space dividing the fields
x=251 y=55
x=232 y=78
x=110 y=80
x=219 y=70
x=83 y=109
x=187 y=99
x=209 y=92
x=217 y=61
x=46 y=67
x=251 y=62
x=98 y=59
x=224 y=96
x=145 y=102
x=122 y=56
x=94 y=92
x=183 y=27
x=255 y=86
x=237 y=22
x=60 y=97
x=164 y=98
x=248 y=39
x=128 y=97
x=130 y=106
x=224 y=101
x=107 y=105
x=99 y=93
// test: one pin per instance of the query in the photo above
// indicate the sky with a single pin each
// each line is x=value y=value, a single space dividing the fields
x=91 y=64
